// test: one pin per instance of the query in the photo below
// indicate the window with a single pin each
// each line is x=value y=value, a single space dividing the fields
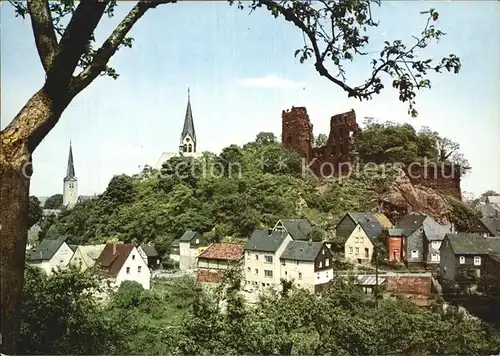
x=286 y=273
x=414 y=253
x=357 y=250
x=268 y=259
x=323 y=252
x=184 y=148
x=133 y=257
x=197 y=241
x=256 y=257
x=61 y=261
x=477 y=260
x=139 y=269
x=350 y=250
x=256 y=271
x=190 y=148
x=297 y=262
x=485 y=234
x=361 y=239
x=300 y=275
x=367 y=252
x=356 y=239
x=327 y=262
x=127 y=270
x=248 y=253
x=249 y=269
x=268 y=273
x=434 y=257
x=283 y=263
x=320 y=264
x=462 y=260
x=317 y=275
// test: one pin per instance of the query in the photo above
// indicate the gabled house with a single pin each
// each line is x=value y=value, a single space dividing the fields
x=298 y=229
x=262 y=257
x=463 y=257
x=215 y=259
x=174 y=251
x=422 y=238
x=122 y=262
x=150 y=255
x=86 y=256
x=360 y=231
x=395 y=245
x=309 y=264
x=191 y=244
x=486 y=227
x=50 y=255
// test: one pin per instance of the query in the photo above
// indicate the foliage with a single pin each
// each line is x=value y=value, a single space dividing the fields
x=61 y=316
x=128 y=295
x=35 y=211
x=54 y=202
x=320 y=140
x=463 y=215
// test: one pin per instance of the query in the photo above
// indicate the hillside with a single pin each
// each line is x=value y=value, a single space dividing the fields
x=243 y=188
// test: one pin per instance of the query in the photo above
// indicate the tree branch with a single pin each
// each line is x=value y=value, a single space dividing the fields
x=111 y=45
x=73 y=44
x=43 y=30
x=290 y=16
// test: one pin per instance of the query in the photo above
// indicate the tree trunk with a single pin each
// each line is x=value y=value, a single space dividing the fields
x=38 y=116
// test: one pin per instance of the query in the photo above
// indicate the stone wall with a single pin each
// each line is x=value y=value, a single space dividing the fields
x=332 y=158
x=416 y=289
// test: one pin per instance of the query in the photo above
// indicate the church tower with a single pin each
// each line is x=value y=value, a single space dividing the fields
x=187 y=145
x=70 y=187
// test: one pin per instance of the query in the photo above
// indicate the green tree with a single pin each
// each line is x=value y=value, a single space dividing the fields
x=54 y=202
x=320 y=140
x=62 y=49
x=35 y=211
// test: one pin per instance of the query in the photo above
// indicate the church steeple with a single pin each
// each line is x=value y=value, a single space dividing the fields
x=70 y=171
x=188 y=135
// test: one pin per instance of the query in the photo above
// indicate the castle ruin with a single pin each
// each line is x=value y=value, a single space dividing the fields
x=338 y=155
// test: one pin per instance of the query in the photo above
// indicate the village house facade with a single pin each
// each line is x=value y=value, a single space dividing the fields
x=262 y=257
x=422 y=238
x=308 y=264
x=360 y=231
x=122 y=262
x=50 y=255
x=191 y=244
x=150 y=255
x=217 y=258
x=486 y=227
x=463 y=257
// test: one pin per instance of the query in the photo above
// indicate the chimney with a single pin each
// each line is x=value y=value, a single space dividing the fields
x=114 y=249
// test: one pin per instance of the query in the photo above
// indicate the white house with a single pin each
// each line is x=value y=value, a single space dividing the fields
x=122 y=262
x=308 y=264
x=50 y=255
x=191 y=244
x=262 y=257
x=86 y=256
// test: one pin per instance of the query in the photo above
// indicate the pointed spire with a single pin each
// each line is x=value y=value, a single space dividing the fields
x=70 y=171
x=188 y=128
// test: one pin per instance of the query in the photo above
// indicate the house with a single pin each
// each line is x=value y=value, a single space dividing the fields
x=122 y=262
x=86 y=256
x=486 y=227
x=174 y=251
x=360 y=231
x=191 y=244
x=395 y=243
x=150 y=255
x=309 y=264
x=369 y=283
x=298 y=229
x=50 y=254
x=215 y=259
x=422 y=238
x=463 y=257
x=262 y=257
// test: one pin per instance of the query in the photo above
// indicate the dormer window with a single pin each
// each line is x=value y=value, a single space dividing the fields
x=197 y=241
x=133 y=257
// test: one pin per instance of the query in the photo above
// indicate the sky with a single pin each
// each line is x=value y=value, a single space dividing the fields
x=242 y=73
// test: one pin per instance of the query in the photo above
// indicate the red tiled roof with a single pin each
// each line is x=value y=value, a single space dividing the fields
x=207 y=276
x=223 y=251
x=113 y=256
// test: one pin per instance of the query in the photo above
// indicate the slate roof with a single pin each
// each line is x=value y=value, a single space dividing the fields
x=411 y=222
x=264 y=240
x=492 y=224
x=223 y=251
x=149 y=250
x=299 y=229
x=188 y=236
x=301 y=251
x=434 y=231
x=490 y=210
x=70 y=171
x=111 y=262
x=45 y=250
x=188 y=128
x=368 y=222
x=493 y=199
x=370 y=280
x=470 y=244
x=73 y=247
x=395 y=232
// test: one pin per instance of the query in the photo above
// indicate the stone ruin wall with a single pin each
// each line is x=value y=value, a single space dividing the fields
x=297 y=135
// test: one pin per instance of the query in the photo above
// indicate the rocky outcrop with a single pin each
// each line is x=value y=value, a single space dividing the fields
x=404 y=197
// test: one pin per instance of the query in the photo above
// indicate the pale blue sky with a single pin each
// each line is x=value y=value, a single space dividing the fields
x=118 y=126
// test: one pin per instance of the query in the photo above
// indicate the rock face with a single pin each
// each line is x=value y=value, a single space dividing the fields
x=404 y=197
